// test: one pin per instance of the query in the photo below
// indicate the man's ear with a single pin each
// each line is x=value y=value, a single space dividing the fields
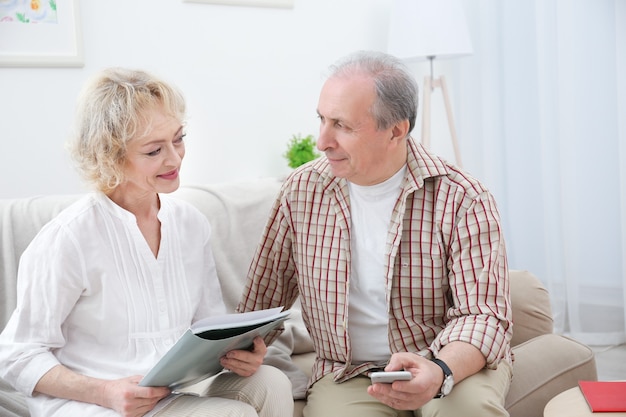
x=400 y=130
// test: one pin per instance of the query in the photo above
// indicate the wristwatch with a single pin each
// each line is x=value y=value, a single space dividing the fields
x=448 y=380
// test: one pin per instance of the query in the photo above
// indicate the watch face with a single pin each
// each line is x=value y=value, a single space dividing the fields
x=448 y=383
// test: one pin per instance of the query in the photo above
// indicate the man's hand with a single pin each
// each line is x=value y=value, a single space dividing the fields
x=129 y=399
x=244 y=362
x=413 y=394
x=462 y=358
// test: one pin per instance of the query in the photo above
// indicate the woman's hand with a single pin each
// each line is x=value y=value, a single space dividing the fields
x=129 y=399
x=122 y=395
x=245 y=362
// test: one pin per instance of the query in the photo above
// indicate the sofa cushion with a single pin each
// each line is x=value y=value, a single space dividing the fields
x=237 y=212
x=530 y=300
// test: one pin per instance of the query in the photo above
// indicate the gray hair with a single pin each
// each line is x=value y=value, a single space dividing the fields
x=112 y=108
x=396 y=89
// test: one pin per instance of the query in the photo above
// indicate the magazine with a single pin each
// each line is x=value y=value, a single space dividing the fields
x=196 y=355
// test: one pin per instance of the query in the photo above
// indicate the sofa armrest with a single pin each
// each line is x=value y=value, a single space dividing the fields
x=544 y=367
x=530 y=301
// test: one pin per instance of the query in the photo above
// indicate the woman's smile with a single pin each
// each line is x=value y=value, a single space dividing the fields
x=172 y=175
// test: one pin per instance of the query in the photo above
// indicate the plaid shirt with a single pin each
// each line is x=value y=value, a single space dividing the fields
x=446 y=270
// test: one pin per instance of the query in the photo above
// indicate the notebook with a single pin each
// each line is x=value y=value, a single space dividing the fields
x=604 y=396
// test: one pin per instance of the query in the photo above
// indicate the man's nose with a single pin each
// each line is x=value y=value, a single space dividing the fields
x=325 y=139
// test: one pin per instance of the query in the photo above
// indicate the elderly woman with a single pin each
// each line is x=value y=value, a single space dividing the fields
x=110 y=284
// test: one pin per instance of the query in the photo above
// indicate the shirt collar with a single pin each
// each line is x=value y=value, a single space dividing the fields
x=421 y=164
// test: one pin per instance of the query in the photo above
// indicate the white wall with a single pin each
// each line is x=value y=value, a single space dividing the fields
x=251 y=77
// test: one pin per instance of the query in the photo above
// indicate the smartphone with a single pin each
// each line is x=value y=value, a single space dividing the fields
x=389 y=377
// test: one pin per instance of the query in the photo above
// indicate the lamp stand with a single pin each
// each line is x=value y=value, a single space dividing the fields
x=430 y=83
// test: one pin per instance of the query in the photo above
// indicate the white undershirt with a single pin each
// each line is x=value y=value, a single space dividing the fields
x=370 y=211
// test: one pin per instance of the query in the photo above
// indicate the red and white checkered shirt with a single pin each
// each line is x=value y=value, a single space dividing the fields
x=446 y=269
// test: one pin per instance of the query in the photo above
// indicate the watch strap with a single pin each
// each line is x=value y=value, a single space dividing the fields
x=443 y=366
x=447 y=374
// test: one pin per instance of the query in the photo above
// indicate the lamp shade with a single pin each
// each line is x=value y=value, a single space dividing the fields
x=419 y=29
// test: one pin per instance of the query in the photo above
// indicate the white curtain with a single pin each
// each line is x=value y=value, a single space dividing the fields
x=540 y=109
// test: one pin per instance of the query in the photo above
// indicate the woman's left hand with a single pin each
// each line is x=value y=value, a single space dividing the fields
x=245 y=362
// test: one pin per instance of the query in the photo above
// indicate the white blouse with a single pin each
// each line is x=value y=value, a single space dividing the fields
x=92 y=296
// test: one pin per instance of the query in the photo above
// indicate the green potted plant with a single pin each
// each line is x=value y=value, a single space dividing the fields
x=300 y=150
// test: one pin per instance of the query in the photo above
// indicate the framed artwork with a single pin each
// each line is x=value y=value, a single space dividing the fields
x=40 y=33
x=287 y=4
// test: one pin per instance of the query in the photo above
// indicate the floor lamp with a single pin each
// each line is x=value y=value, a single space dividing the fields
x=427 y=29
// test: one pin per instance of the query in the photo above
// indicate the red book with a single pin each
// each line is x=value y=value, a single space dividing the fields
x=604 y=396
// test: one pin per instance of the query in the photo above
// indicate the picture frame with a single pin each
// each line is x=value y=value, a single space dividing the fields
x=285 y=4
x=27 y=42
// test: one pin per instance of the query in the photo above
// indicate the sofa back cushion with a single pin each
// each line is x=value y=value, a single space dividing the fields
x=238 y=212
x=20 y=221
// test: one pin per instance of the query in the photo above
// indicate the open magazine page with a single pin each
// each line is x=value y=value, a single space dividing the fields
x=229 y=321
x=196 y=355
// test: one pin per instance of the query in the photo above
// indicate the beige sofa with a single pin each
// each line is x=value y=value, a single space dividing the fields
x=545 y=363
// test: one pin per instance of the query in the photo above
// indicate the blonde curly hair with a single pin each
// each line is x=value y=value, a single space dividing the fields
x=111 y=110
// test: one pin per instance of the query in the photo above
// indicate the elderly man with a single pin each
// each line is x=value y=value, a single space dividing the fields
x=398 y=258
